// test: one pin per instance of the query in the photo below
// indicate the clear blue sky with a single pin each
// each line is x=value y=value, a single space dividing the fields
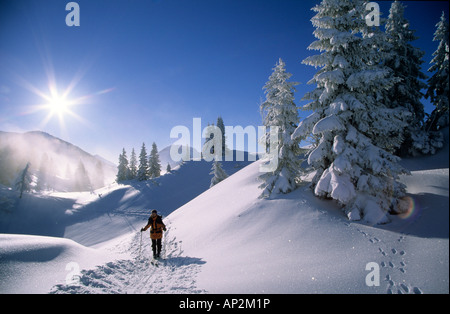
x=137 y=68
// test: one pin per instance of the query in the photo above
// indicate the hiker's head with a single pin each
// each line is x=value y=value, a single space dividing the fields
x=154 y=213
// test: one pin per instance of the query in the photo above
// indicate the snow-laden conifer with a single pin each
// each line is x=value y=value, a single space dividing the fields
x=218 y=172
x=405 y=61
x=355 y=128
x=280 y=111
x=438 y=89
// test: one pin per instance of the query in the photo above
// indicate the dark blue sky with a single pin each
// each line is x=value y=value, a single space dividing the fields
x=142 y=67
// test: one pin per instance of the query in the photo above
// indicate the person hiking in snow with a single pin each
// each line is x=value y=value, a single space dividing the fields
x=156 y=226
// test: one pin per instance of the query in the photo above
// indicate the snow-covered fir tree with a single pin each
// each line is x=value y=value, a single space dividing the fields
x=218 y=172
x=143 y=171
x=122 y=168
x=438 y=83
x=168 y=168
x=279 y=110
x=132 y=171
x=154 y=162
x=405 y=61
x=354 y=125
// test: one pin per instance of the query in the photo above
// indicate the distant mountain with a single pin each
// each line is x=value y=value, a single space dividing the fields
x=165 y=158
x=54 y=164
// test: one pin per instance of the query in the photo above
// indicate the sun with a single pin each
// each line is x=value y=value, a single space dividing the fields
x=59 y=105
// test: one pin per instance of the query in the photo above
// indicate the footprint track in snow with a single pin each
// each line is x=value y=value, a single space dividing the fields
x=393 y=262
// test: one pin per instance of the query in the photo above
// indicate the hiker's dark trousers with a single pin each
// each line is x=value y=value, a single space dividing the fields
x=156 y=246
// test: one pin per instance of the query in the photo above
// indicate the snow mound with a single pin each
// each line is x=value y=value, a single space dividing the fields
x=33 y=264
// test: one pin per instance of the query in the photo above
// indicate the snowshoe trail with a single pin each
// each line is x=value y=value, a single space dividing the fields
x=174 y=274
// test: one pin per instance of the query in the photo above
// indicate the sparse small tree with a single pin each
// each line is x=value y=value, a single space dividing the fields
x=218 y=172
x=23 y=181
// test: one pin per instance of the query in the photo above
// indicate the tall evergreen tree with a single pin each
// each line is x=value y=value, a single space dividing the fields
x=133 y=166
x=221 y=126
x=122 y=173
x=405 y=61
x=353 y=124
x=279 y=110
x=143 y=171
x=154 y=162
x=438 y=89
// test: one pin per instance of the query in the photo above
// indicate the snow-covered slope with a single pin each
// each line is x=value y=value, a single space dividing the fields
x=300 y=244
x=226 y=240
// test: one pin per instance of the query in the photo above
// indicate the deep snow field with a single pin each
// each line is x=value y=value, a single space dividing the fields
x=224 y=239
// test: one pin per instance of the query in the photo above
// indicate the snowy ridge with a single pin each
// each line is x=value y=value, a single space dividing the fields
x=61 y=160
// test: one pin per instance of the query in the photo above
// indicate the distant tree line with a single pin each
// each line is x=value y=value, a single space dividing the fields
x=147 y=167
